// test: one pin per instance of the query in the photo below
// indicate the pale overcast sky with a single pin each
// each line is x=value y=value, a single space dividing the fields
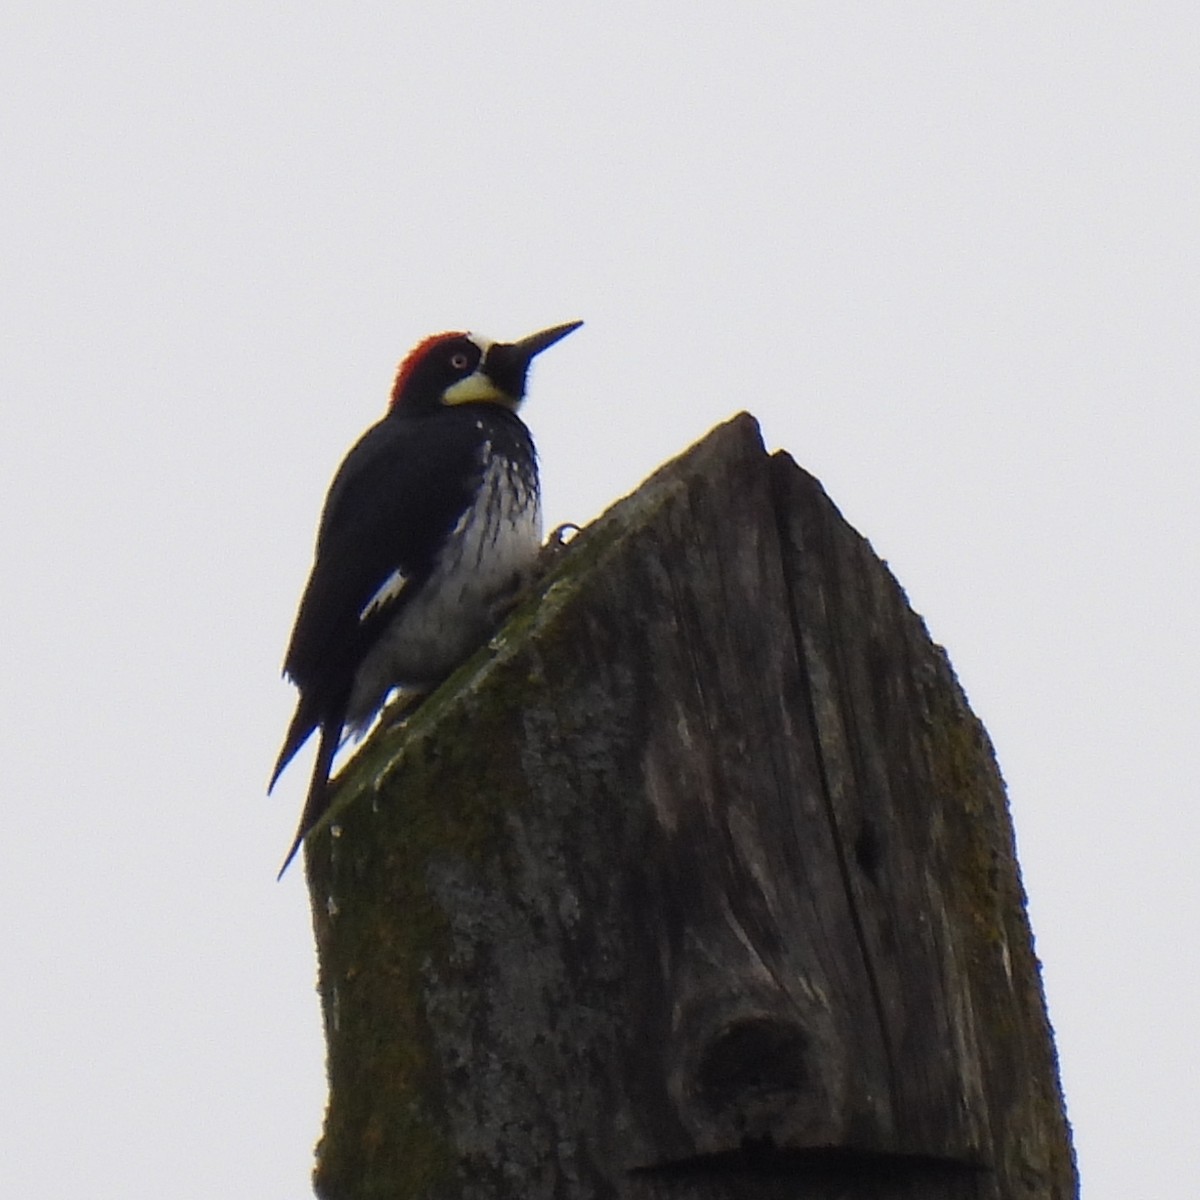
x=947 y=253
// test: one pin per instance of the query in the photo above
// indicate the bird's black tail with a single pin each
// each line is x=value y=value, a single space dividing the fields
x=318 y=789
x=305 y=720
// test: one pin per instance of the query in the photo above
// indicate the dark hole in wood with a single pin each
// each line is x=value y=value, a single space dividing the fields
x=867 y=848
x=752 y=1059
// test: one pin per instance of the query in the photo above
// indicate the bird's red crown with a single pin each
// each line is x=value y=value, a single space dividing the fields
x=408 y=365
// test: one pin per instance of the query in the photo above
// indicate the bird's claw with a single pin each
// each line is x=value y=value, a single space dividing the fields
x=557 y=542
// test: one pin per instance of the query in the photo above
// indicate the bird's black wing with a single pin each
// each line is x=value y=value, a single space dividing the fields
x=399 y=492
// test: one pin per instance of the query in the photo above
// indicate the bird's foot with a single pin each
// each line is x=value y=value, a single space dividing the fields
x=559 y=539
x=552 y=550
x=529 y=581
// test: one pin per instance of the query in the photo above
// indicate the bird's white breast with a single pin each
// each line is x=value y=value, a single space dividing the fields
x=485 y=562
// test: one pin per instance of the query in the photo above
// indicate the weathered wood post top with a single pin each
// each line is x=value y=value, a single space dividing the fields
x=698 y=881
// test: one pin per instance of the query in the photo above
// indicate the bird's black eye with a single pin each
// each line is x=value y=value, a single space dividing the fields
x=459 y=360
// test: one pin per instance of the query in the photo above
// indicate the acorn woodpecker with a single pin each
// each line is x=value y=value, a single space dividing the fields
x=431 y=527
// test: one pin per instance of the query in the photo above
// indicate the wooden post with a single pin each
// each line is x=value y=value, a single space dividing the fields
x=698 y=882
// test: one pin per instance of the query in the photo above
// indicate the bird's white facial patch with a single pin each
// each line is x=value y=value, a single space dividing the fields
x=477 y=387
x=392 y=586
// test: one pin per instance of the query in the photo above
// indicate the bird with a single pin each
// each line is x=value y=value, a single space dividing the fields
x=431 y=528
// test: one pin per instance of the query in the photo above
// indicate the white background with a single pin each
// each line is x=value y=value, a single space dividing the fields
x=947 y=253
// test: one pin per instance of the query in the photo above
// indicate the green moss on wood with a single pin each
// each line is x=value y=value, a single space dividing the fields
x=391 y=932
x=984 y=883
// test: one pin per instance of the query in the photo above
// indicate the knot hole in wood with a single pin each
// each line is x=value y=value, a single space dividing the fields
x=752 y=1072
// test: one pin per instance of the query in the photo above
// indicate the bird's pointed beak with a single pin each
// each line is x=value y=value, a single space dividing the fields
x=507 y=363
x=535 y=343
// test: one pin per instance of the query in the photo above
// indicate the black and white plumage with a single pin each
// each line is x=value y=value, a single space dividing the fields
x=431 y=527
